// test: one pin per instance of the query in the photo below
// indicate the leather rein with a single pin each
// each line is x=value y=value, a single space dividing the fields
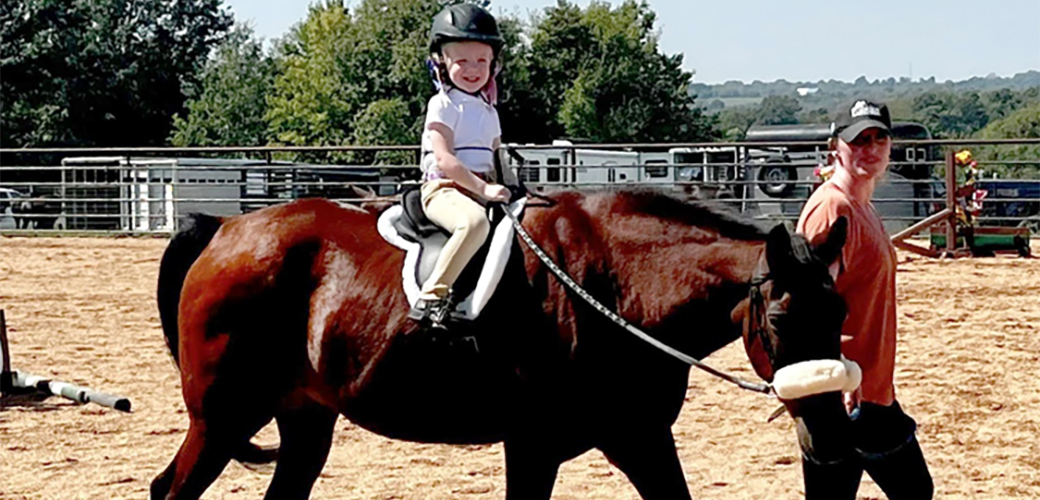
x=757 y=303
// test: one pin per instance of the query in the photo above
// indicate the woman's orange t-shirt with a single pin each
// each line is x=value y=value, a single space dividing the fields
x=867 y=282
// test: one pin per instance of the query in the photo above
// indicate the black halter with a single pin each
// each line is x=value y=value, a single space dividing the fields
x=757 y=322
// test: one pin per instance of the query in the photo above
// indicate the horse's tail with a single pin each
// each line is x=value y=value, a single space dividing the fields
x=184 y=249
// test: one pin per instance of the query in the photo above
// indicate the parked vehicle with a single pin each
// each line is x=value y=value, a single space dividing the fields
x=771 y=181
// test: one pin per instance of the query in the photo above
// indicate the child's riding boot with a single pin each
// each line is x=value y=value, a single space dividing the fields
x=434 y=311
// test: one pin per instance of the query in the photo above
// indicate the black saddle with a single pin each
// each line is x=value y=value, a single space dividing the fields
x=414 y=226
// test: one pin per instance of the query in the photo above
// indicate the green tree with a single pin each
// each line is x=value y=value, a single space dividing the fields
x=1024 y=123
x=354 y=78
x=778 y=110
x=733 y=123
x=101 y=72
x=315 y=98
x=524 y=118
x=949 y=114
x=595 y=73
x=599 y=74
x=818 y=115
x=230 y=109
x=386 y=122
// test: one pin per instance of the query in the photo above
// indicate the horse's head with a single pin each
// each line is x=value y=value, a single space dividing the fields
x=792 y=329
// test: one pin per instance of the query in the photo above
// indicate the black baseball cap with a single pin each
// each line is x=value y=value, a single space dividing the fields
x=853 y=119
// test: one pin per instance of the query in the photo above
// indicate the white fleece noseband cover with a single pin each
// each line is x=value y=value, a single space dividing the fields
x=817 y=377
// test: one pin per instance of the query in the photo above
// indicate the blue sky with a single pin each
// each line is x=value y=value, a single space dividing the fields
x=802 y=39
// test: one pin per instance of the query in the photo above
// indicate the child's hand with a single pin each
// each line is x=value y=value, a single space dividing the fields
x=496 y=192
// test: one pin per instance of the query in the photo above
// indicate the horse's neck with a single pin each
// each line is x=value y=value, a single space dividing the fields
x=657 y=272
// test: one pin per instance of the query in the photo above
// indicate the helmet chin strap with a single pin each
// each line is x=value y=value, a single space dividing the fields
x=490 y=90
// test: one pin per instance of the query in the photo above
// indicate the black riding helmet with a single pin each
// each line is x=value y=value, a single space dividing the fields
x=464 y=22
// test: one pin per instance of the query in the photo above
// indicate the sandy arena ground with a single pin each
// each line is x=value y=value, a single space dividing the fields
x=83 y=311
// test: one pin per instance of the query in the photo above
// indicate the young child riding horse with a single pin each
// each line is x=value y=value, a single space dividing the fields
x=459 y=140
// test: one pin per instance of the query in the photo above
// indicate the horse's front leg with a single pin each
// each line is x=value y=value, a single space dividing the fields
x=306 y=437
x=647 y=456
x=531 y=467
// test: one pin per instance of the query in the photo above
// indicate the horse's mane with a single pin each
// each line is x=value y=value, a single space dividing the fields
x=694 y=213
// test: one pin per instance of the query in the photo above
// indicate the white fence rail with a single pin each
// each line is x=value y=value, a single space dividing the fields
x=147 y=191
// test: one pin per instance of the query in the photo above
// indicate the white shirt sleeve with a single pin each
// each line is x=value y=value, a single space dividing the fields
x=496 y=125
x=440 y=110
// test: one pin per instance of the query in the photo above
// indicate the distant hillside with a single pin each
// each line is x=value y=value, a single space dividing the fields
x=830 y=94
x=948 y=110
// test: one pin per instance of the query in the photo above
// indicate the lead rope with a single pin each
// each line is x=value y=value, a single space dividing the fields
x=562 y=276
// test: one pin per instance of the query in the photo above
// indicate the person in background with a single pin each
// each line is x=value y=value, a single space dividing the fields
x=876 y=436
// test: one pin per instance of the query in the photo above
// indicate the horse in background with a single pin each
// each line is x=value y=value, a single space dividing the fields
x=296 y=313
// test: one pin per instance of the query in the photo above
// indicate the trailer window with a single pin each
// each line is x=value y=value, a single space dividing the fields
x=660 y=168
x=552 y=174
x=689 y=158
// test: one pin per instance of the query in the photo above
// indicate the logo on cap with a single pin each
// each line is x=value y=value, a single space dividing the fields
x=863 y=108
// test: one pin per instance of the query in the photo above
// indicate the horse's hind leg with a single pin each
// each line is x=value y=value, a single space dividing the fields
x=306 y=437
x=196 y=466
x=206 y=450
x=228 y=403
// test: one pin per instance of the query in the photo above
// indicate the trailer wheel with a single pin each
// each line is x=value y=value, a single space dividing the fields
x=777 y=179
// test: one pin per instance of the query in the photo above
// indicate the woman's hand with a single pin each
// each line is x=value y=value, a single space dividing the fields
x=496 y=192
x=852 y=399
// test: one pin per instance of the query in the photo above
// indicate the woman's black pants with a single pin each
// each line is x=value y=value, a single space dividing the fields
x=838 y=448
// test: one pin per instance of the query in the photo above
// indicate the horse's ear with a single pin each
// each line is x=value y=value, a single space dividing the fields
x=830 y=249
x=778 y=249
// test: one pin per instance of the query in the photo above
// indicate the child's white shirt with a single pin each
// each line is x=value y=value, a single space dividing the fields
x=475 y=125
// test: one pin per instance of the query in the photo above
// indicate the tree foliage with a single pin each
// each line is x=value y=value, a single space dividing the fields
x=733 y=123
x=778 y=110
x=594 y=73
x=601 y=76
x=386 y=122
x=336 y=65
x=230 y=109
x=314 y=97
x=831 y=92
x=101 y=72
x=948 y=114
x=1024 y=123
x=122 y=73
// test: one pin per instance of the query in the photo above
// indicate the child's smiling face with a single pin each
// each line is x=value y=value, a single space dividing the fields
x=468 y=63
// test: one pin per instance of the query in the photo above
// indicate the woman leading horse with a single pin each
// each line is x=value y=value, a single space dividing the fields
x=296 y=313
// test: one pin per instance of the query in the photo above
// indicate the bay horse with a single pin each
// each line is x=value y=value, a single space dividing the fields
x=296 y=313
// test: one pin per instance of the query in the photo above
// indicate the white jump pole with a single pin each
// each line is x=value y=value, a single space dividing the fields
x=15 y=381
